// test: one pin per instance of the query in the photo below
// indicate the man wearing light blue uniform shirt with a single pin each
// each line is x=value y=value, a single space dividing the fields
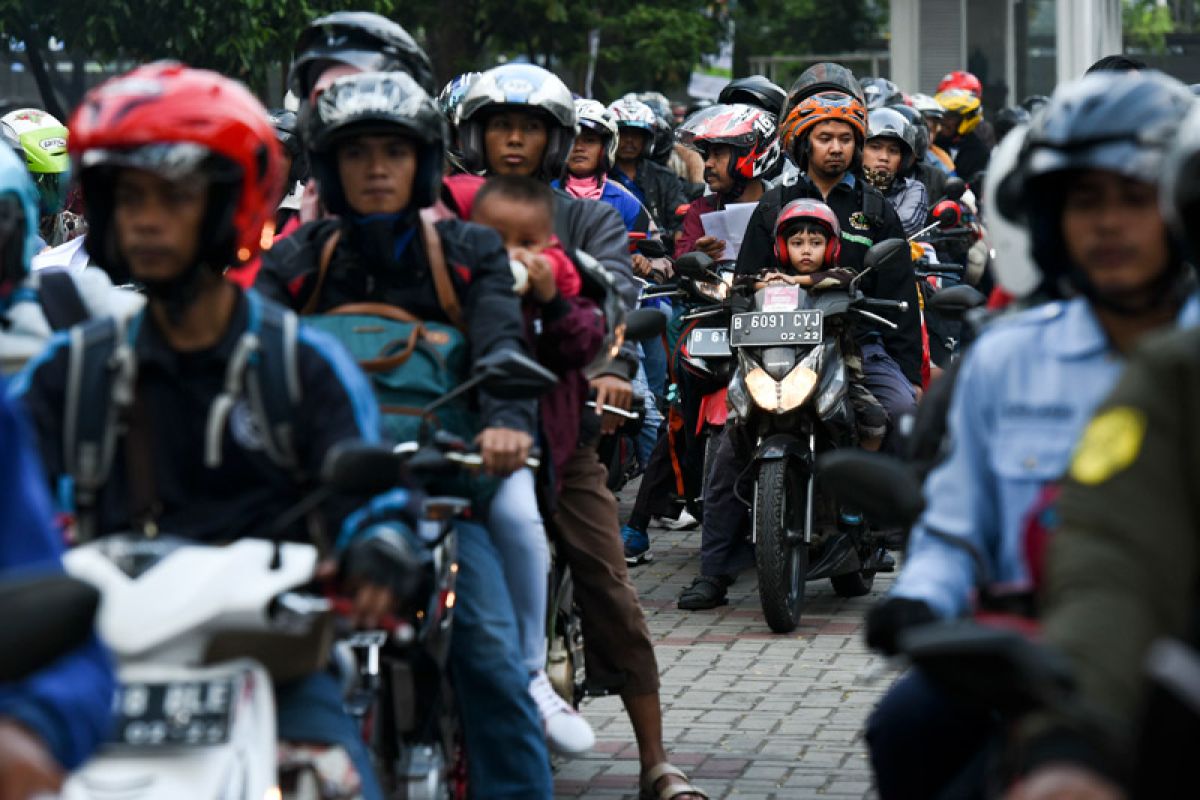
x=1084 y=187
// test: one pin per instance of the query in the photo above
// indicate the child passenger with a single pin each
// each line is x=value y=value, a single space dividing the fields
x=807 y=242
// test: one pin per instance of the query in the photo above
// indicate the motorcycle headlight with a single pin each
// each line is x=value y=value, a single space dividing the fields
x=796 y=388
x=780 y=397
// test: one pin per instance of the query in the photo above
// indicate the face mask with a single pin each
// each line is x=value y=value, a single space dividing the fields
x=881 y=179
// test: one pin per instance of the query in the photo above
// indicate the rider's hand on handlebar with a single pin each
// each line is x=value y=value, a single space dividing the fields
x=1063 y=781
x=612 y=391
x=641 y=266
x=26 y=767
x=504 y=450
x=890 y=617
x=711 y=246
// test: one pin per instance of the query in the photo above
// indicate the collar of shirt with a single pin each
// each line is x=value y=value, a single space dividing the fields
x=848 y=180
x=151 y=346
x=1081 y=334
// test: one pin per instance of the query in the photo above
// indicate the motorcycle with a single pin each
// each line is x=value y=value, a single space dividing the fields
x=703 y=353
x=790 y=397
x=195 y=709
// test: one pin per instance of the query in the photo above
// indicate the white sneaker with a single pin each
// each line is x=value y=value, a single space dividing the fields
x=567 y=733
x=685 y=522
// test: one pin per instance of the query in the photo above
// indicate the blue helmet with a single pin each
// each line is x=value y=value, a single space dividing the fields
x=16 y=185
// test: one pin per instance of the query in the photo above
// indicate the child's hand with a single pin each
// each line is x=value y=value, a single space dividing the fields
x=541 y=275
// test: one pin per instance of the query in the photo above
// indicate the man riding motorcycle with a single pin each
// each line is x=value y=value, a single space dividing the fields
x=657 y=187
x=888 y=159
x=376 y=144
x=740 y=147
x=959 y=134
x=53 y=720
x=1124 y=555
x=41 y=141
x=520 y=120
x=1084 y=187
x=172 y=200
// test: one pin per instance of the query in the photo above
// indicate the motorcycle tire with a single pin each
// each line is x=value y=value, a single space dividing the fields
x=782 y=566
x=853 y=584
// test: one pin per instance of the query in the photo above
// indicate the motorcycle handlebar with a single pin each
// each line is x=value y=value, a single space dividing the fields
x=895 y=305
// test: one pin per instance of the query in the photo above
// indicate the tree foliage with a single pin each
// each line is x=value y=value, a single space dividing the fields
x=796 y=27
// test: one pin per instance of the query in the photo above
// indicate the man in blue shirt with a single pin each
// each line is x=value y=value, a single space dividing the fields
x=1085 y=188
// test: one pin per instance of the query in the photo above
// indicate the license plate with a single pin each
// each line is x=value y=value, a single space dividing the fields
x=708 y=342
x=769 y=328
x=176 y=713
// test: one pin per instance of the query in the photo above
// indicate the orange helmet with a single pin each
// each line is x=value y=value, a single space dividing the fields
x=172 y=120
x=823 y=107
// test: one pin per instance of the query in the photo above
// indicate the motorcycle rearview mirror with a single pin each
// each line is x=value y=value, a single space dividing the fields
x=887 y=255
x=955 y=188
x=989 y=667
x=361 y=468
x=45 y=617
x=652 y=248
x=882 y=486
x=644 y=323
x=956 y=300
x=695 y=265
x=511 y=375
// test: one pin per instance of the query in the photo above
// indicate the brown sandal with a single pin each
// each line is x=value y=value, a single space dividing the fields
x=657 y=773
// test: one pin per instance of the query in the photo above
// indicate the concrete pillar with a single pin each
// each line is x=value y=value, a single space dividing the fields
x=905 y=45
x=1087 y=30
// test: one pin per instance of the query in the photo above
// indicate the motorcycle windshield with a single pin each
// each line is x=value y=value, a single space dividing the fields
x=134 y=554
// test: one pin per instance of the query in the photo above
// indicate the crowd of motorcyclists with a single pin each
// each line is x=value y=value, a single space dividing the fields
x=202 y=300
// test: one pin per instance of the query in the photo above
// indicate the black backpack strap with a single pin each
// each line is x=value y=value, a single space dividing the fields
x=59 y=296
x=101 y=377
x=264 y=369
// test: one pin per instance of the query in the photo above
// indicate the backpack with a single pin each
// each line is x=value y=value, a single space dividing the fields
x=100 y=403
x=60 y=300
x=410 y=362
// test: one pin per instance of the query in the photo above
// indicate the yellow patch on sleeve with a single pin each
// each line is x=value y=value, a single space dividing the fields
x=1110 y=444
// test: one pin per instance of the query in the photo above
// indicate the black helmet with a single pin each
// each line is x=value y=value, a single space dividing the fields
x=824 y=76
x=755 y=90
x=1180 y=184
x=1009 y=118
x=358 y=39
x=376 y=102
x=664 y=140
x=521 y=86
x=1120 y=122
x=880 y=92
x=920 y=130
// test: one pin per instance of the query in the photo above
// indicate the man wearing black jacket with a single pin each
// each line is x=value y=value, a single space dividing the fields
x=824 y=134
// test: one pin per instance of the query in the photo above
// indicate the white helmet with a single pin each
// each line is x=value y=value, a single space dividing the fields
x=593 y=116
x=1010 y=242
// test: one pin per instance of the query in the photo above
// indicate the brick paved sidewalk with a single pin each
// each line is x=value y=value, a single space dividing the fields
x=748 y=714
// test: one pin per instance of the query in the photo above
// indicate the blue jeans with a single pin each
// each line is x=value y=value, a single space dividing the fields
x=520 y=538
x=506 y=748
x=310 y=710
x=648 y=436
x=925 y=744
x=886 y=381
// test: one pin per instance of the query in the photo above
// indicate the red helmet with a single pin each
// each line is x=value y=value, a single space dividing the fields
x=173 y=120
x=808 y=210
x=749 y=130
x=961 y=79
x=818 y=108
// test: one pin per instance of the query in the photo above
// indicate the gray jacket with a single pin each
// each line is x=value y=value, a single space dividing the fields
x=911 y=201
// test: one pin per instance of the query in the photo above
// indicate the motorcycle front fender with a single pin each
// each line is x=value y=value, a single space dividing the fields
x=784 y=445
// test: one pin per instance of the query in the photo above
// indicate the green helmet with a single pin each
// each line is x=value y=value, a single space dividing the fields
x=42 y=139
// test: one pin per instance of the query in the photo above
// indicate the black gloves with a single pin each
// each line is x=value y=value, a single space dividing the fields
x=890 y=617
